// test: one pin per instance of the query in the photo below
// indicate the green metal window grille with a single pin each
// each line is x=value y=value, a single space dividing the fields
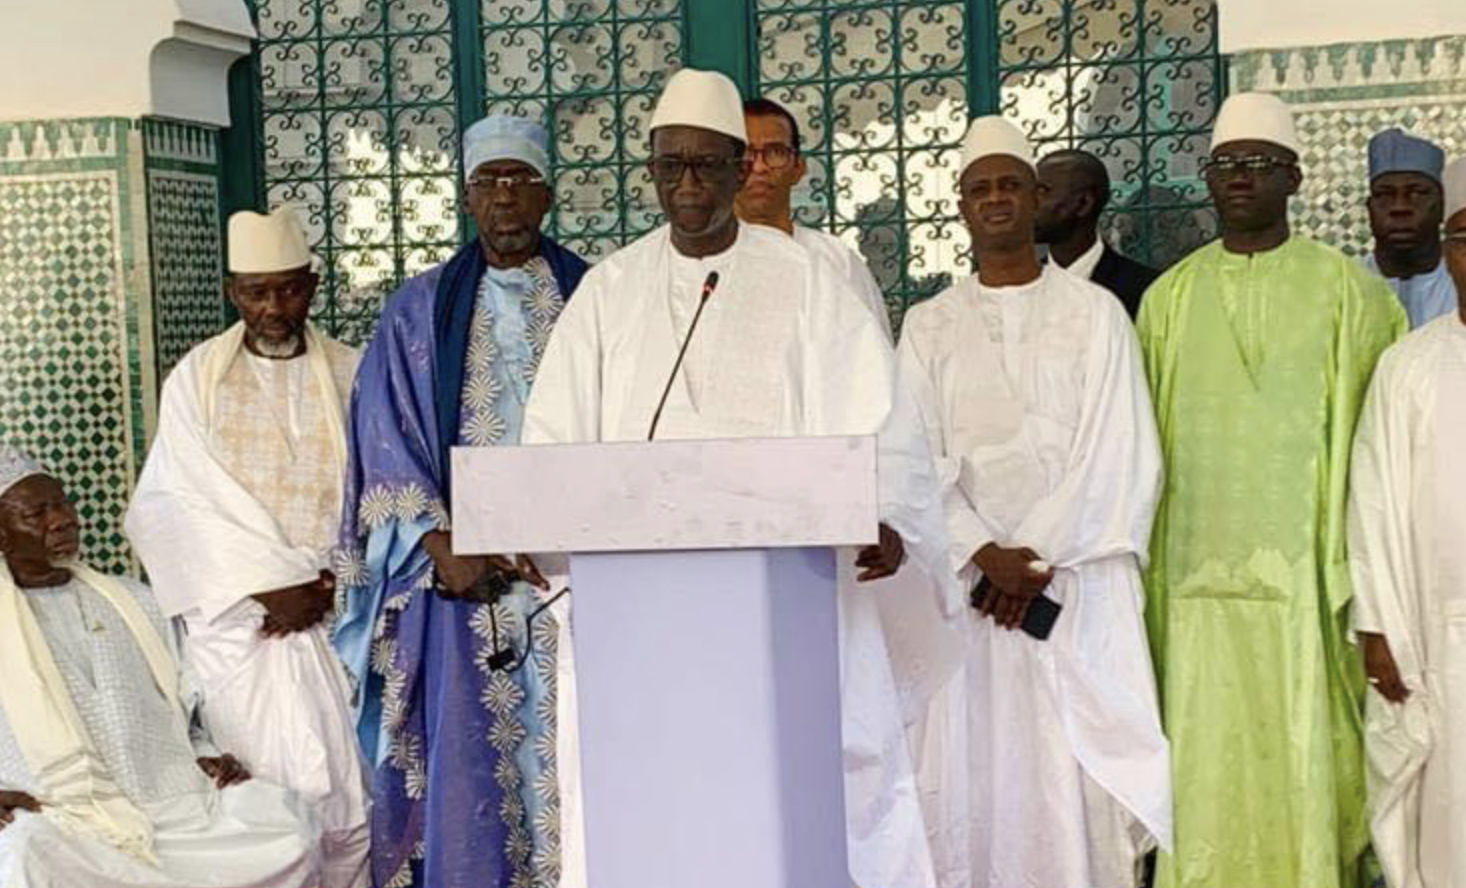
x=879 y=88
x=359 y=132
x=359 y=105
x=1136 y=82
x=592 y=70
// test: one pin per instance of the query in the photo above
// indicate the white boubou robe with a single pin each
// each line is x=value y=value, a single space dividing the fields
x=1048 y=755
x=783 y=348
x=850 y=266
x=241 y=494
x=1407 y=551
x=95 y=718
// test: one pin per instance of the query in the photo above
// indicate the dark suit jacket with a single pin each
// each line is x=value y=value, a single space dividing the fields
x=1126 y=278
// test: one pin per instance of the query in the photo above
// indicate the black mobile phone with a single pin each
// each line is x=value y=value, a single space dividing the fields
x=1038 y=619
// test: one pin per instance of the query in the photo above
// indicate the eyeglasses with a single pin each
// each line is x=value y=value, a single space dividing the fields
x=669 y=169
x=775 y=156
x=1457 y=240
x=517 y=184
x=1252 y=164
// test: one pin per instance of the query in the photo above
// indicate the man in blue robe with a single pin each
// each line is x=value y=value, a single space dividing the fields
x=462 y=748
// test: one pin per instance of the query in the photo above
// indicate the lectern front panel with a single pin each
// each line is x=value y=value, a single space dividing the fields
x=709 y=699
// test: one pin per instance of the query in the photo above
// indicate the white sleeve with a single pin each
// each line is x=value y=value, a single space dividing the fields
x=1379 y=513
x=1105 y=504
x=847 y=366
x=967 y=532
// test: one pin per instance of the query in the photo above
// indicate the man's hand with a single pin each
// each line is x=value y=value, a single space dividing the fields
x=462 y=574
x=883 y=559
x=297 y=608
x=1014 y=583
x=224 y=770
x=524 y=570
x=1379 y=663
x=457 y=574
x=10 y=802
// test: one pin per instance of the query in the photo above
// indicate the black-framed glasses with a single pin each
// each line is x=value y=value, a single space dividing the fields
x=1252 y=164
x=515 y=184
x=670 y=168
x=775 y=156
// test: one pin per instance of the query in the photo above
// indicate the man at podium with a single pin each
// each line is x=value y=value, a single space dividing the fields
x=707 y=328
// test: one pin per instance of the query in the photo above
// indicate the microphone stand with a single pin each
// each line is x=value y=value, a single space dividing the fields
x=503 y=659
x=708 y=286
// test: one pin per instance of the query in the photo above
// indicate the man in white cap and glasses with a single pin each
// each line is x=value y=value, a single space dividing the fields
x=105 y=779
x=1405 y=216
x=1259 y=348
x=235 y=519
x=1030 y=382
x=783 y=348
x=461 y=746
x=1407 y=516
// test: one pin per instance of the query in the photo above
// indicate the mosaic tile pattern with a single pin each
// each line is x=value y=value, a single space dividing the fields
x=64 y=373
x=188 y=301
x=1345 y=94
x=186 y=234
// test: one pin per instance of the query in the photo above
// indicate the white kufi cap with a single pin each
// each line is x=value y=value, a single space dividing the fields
x=995 y=135
x=1454 y=183
x=264 y=244
x=1260 y=117
x=15 y=467
x=704 y=99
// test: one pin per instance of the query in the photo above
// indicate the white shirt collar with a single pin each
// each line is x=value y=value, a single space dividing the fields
x=1084 y=266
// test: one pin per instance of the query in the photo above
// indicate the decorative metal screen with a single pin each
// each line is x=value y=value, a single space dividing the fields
x=361 y=103
x=1136 y=82
x=879 y=90
x=360 y=133
x=592 y=70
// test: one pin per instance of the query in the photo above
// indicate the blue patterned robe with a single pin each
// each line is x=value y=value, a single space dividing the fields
x=463 y=777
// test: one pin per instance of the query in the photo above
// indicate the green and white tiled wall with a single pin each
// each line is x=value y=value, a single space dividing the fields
x=183 y=170
x=108 y=226
x=1343 y=95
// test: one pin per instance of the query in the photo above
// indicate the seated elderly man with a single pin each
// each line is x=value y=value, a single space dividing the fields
x=103 y=783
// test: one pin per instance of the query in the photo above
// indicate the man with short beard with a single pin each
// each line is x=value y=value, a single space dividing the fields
x=235 y=518
x=462 y=749
x=1405 y=216
x=1259 y=348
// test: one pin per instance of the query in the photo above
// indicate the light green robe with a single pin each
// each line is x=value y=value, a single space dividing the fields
x=1258 y=366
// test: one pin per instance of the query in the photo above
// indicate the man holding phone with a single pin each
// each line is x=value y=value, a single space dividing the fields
x=1031 y=386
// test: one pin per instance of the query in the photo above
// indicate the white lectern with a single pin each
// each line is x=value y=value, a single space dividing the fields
x=706 y=643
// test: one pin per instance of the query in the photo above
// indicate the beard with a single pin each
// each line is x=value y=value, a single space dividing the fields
x=279 y=349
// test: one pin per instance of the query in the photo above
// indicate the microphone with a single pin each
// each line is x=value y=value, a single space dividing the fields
x=708 y=286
